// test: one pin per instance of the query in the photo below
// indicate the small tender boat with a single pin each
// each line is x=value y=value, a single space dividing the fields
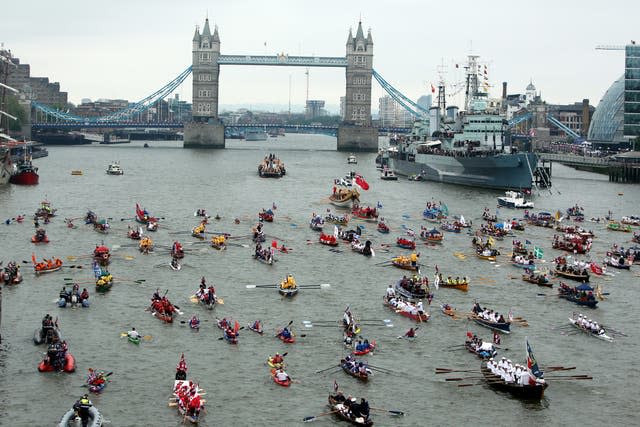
x=352 y=160
x=114 y=169
x=70 y=418
x=514 y=199
x=388 y=175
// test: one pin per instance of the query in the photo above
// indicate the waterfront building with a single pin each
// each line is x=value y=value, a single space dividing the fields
x=390 y=113
x=632 y=90
x=314 y=108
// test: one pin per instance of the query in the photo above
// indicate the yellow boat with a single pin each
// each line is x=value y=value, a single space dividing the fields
x=76 y=172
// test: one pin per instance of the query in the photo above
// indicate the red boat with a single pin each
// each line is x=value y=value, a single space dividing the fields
x=266 y=216
x=383 y=228
x=372 y=346
x=69 y=365
x=406 y=243
x=26 y=173
x=366 y=213
x=283 y=383
x=290 y=340
x=328 y=239
x=163 y=310
x=143 y=217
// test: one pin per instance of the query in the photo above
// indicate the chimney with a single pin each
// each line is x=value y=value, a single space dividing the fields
x=586 y=118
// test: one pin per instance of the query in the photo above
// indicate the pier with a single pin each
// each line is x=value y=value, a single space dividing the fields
x=618 y=170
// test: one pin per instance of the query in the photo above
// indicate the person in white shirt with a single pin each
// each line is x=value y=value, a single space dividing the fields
x=390 y=292
x=133 y=333
x=281 y=375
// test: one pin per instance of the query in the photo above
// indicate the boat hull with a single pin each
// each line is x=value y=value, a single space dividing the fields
x=25 y=178
x=525 y=392
x=500 y=172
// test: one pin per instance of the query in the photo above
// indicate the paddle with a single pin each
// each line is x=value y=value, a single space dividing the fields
x=391 y=411
x=309 y=419
x=329 y=368
x=289 y=324
x=144 y=337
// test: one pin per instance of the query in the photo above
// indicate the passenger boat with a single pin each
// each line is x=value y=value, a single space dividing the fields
x=504 y=327
x=187 y=395
x=366 y=213
x=25 y=173
x=114 y=169
x=283 y=383
x=362 y=376
x=416 y=317
x=341 y=411
x=70 y=418
x=344 y=197
x=405 y=243
x=271 y=167
x=529 y=391
x=581 y=295
x=432 y=235
x=514 y=199
x=616 y=226
x=328 y=239
x=414 y=293
x=602 y=336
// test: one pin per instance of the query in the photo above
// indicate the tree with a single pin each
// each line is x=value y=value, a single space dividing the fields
x=15 y=109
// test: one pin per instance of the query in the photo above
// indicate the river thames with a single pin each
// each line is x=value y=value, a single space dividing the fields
x=172 y=183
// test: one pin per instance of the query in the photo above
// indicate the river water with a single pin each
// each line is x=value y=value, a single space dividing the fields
x=172 y=183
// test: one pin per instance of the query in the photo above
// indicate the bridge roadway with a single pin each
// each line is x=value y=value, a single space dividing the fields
x=576 y=161
x=180 y=125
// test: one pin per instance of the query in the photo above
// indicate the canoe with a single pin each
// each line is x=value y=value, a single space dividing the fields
x=290 y=292
x=448 y=310
x=69 y=418
x=231 y=339
x=258 y=331
x=289 y=340
x=340 y=410
x=48 y=270
x=285 y=383
x=359 y=375
x=525 y=392
x=167 y=318
x=372 y=346
x=497 y=326
x=603 y=336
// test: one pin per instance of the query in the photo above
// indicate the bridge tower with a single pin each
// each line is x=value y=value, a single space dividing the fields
x=205 y=130
x=356 y=132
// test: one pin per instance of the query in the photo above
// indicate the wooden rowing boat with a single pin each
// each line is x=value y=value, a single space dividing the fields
x=526 y=392
x=464 y=286
x=497 y=326
x=342 y=412
x=362 y=376
x=572 y=276
x=602 y=336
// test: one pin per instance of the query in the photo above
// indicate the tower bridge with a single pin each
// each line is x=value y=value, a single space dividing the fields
x=206 y=130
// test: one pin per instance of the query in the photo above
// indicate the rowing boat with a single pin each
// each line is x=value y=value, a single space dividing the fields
x=422 y=317
x=526 y=392
x=601 y=336
x=497 y=326
x=359 y=374
x=571 y=275
x=341 y=411
x=287 y=292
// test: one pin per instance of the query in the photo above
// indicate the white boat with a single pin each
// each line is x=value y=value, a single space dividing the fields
x=388 y=175
x=352 y=160
x=514 y=199
x=114 y=169
x=601 y=336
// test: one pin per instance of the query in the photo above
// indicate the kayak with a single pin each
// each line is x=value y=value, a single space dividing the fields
x=275 y=365
x=283 y=383
x=372 y=346
x=135 y=340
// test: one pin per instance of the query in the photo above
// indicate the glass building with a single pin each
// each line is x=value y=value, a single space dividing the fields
x=632 y=91
x=608 y=120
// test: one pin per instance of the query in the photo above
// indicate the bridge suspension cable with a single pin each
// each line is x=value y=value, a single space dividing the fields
x=413 y=108
x=138 y=107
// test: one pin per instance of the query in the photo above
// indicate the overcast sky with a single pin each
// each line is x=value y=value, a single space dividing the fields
x=129 y=49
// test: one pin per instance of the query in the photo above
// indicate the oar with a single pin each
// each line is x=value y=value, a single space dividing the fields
x=329 y=368
x=309 y=419
x=463 y=379
x=126 y=219
x=571 y=378
x=319 y=286
x=261 y=286
x=391 y=411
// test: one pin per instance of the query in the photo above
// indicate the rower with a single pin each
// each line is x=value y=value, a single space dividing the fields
x=133 y=334
x=281 y=375
x=411 y=333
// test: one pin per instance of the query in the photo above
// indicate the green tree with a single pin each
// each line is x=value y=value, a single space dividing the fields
x=15 y=109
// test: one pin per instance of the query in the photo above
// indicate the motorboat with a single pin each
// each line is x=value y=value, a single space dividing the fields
x=114 y=169
x=514 y=199
x=352 y=160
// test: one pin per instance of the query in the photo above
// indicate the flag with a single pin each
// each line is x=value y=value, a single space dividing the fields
x=236 y=327
x=538 y=252
x=33 y=256
x=510 y=315
x=496 y=338
x=274 y=206
x=360 y=181
x=335 y=386
x=436 y=281
x=97 y=271
x=490 y=241
x=433 y=88
x=274 y=243
x=532 y=363
x=526 y=242
x=444 y=209
x=379 y=205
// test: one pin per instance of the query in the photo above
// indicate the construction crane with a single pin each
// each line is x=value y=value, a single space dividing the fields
x=612 y=46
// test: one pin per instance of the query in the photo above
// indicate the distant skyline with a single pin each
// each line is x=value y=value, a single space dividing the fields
x=127 y=50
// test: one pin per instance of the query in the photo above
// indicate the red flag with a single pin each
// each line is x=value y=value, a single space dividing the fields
x=362 y=183
x=433 y=88
x=236 y=327
x=469 y=334
x=274 y=244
